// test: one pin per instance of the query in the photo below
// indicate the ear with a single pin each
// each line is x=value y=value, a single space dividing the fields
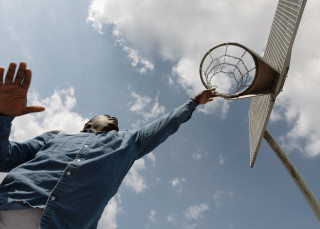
x=88 y=125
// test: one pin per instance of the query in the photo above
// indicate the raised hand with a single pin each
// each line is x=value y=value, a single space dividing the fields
x=205 y=96
x=13 y=91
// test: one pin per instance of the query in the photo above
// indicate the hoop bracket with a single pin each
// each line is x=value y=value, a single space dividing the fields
x=265 y=82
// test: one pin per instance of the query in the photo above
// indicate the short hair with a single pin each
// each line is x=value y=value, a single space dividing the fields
x=91 y=120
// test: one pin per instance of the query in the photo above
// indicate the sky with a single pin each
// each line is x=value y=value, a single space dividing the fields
x=138 y=60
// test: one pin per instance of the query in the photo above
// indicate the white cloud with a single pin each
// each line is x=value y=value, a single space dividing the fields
x=150 y=156
x=145 y=107
x=134 y=179
x=198 y=155
x=190 y=28
x=185 y=27
x=171 y=219
x=19 y=38
x=186 y=32
x=57 y=116
x=109 y=216
x=96 y=17
x=221 y=160
x=300 y=111
x=219 y=196
x=177 y=181
x=298 y=103
x=152 y=216
x=137 y=61
x=177 y=184
x=195 y=212
x=140 y=103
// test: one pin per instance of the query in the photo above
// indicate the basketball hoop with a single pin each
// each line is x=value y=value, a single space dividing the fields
x=236 y=72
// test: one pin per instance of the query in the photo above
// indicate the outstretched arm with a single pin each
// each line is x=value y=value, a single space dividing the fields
x=152 y=135
x=13 y=91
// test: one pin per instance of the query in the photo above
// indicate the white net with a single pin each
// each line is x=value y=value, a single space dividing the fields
x=229 y=68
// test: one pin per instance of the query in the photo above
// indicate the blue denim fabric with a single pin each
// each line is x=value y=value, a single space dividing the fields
x=73 y=176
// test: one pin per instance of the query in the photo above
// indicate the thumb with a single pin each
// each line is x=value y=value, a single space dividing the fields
x=32 y=109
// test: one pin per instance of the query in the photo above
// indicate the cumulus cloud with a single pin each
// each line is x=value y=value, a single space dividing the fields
x=190 y=28
x=57 y=116
x=220 y=195
x=137 y=61
x=134 y=179
x=96 y=17
x=199 y=155
x=146 y=108
x=109 y=217
x=152 y=216
x=20 y=41
x=297 y=104
x=151 y=157
x=171 y=219
x=221 y=160
x=185 y=33
x=301 y=112
x=177 y=184
x=195 y=212
x=184 y=29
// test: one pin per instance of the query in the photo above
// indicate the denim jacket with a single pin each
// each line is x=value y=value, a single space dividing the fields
x=73 y=176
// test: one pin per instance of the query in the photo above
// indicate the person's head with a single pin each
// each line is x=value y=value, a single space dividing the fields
x=102 y=123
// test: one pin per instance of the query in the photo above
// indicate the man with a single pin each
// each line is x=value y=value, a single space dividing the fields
x=58 y=180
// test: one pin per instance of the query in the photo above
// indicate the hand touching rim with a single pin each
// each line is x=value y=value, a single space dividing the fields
x=205 y=96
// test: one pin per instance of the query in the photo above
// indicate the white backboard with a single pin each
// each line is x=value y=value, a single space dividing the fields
x=277 y=54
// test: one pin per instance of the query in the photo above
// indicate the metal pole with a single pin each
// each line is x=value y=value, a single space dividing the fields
x=298 y=179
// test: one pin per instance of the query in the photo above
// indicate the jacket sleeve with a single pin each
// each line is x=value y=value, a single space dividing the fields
x=13 y=153
x=152 y=135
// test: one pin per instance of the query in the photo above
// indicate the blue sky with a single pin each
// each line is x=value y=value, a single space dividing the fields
x=137 y=60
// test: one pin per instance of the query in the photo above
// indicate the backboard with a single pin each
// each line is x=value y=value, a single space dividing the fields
x=277 y=54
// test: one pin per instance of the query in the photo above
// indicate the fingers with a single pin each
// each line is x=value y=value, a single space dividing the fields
x=23 y=76
x=210 y=90
x=32 y=109
x=20 y=73
x=10 y=73
x=27 y=79
x=207 y=96
x=211 y=93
